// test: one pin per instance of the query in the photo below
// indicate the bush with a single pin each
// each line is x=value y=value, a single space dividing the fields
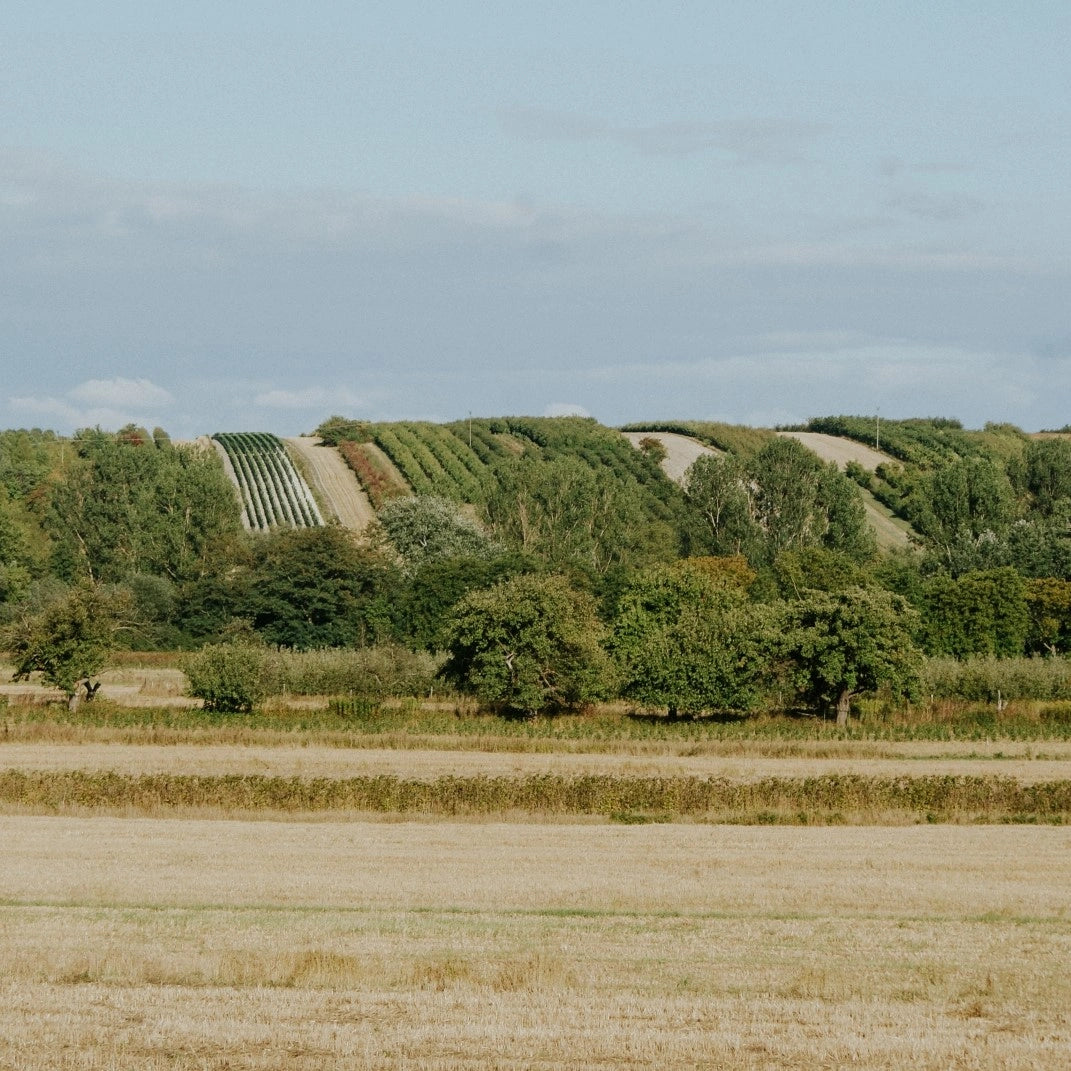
x=230 y=676
x=983 y=679
x=385 y=671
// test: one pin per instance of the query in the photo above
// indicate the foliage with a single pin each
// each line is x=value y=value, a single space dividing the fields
x=1048 y=601
x=799 y=572
x=26 y=459
x=654 y=448
x=273 y=491
x=69 y=641
x=337 y=429
x=732 y=438
x=1044 y=474
x=572 y=516
x=380 y=672
x=961 y=503
x=784 y=498
x=841 y=644
x=374 y=473
x=982 y=612
x=131 y=505
x=919 y=441
x=687 y=640
x=423 y=607
x=229 y=676
x=829 y=798
x=529 y=643
x=987 y=678
x=316 y=587
x=431 y=528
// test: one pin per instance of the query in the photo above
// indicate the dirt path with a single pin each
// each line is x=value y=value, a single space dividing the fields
x=680 y=450
x=332 y=479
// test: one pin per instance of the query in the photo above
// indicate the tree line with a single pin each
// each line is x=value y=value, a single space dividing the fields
x=757 y=578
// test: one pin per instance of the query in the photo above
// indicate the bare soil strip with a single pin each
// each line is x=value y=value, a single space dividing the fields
x=334 y=481
x=681 y=451
x=835 y=448
x=149 y=945
x=415 y=764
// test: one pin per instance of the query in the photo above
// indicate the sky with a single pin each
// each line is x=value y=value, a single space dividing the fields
x=252 y=219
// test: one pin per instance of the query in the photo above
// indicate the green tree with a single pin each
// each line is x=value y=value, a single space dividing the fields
x=961 y=507
x=529 y=643
x=422 y=610
x=1045 y=474
x=719 y=490
x=686 y=637
x=981 y=612
x=233 y=676
x=1048 y=601
x=131 y=504
x=783 y=498
x=841 y=644
x=317 y=587
x=430 y=528
x=801 y=502
x=69 y=641
x=572 y=516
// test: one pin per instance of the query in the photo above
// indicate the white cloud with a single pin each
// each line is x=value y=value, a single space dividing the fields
x=309 y=398
x=105 y=403
x=120 y=392
x=565 y=409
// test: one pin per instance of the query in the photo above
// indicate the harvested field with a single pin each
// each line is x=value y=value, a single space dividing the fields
x=840 y=450
x=334 y=762
x=141 y=944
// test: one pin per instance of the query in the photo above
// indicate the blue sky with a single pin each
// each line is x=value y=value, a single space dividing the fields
x=748 y=212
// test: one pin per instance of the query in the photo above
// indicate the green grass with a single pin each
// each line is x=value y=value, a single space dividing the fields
x=405 y=723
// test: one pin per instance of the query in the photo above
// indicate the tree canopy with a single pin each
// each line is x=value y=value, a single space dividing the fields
x=530 y=644
x=841 y=644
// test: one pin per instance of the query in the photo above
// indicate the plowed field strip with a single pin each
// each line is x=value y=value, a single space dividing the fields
x=334 y=481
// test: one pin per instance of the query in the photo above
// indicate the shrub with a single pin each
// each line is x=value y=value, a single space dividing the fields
x=230 y=676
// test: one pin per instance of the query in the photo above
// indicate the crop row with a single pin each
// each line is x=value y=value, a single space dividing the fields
x=806 y=800
x=379 y=483
x=273 y=492
x=433 y=459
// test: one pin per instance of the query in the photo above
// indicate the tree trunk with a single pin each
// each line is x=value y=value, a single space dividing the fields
x=844 y=704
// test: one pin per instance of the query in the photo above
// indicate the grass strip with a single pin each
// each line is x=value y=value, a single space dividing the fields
x=828 y=799
x=358 y=719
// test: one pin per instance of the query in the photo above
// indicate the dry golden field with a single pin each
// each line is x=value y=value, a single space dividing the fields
x=159 y=938
x=145 y=943
x=317 y=761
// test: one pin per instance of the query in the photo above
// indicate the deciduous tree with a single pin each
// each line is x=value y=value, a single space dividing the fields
x=69 y=641
x=529 y=643
x=841 y=644
x=688 y=639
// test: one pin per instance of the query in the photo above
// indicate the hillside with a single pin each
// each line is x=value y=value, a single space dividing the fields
x=333 y=482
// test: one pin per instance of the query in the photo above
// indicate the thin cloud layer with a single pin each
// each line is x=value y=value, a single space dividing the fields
x=434 y=307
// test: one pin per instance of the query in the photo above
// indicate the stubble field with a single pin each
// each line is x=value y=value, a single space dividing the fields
x=157 y=936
